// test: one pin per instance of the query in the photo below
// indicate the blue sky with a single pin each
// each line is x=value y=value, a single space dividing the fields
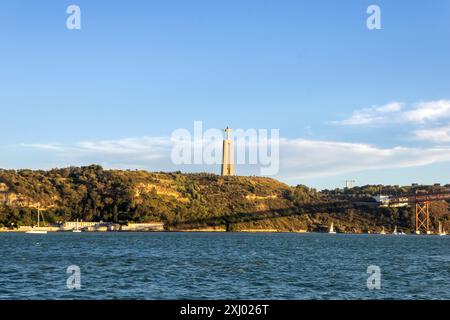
x=375 y=101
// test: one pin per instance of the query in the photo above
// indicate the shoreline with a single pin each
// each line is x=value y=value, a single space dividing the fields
x=221 y=231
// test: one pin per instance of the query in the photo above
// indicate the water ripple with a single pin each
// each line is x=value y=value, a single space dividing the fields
x=223 y=266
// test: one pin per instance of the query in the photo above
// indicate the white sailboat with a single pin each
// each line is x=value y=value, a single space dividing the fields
x=382 y=231
x=441 y=231
x=36 y=230
x=77 y=229
x=332 y=231
x=395 y=231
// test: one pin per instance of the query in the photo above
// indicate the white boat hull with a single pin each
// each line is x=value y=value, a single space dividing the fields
x=36 y=232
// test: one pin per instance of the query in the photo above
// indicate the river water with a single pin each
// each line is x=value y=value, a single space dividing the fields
x=223 y=266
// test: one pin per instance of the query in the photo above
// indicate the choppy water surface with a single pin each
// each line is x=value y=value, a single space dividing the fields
x=223 y=266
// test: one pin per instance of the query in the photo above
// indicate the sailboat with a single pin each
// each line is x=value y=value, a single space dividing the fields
x=332 y=231
x=37 y=231
x=395 y=231
x=441 y=231
x=382 y=231
x=77 y=229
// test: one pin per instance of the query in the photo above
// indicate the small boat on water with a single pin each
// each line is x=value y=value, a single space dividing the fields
x=77 y=229
x=442 y=232
x=398 y=233
x=332 y=231
x=36 y=230
x=382 y=231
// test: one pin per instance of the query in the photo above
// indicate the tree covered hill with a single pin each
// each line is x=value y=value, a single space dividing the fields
x=94 y=194
x=186 y=201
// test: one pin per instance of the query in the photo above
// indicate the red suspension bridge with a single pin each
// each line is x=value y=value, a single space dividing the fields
x=422 y=202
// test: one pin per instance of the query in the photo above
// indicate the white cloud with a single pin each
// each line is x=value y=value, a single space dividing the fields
x=372 y=115
x=429 y=111
x=299 y=158
x=309 y=159
x=48 y=146
x=395 y=112
x=436 y=135
x=141 y=148
x=390 y=107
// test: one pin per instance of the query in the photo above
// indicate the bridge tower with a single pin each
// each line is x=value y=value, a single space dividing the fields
x=423 y=217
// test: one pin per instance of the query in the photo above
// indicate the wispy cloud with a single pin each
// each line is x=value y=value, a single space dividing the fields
x=310 y=158
x=372 y=115
x=397 y=112
x=436 y=135
x=43 y=146
x=299 y=158
x=429 y=111
x=142 y=147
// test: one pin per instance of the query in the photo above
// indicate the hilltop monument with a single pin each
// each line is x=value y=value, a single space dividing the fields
x=228 y=155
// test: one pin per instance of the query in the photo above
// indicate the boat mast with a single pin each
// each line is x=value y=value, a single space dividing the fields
x=38 y=214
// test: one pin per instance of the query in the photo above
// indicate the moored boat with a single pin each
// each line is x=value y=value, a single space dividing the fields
x=332 y=231
x=36 y=230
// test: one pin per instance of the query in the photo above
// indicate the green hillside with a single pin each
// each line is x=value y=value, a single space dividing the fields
x=187 y=201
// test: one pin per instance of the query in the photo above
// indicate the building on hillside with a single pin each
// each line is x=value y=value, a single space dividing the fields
x=150 y=226
x=87 y=226
x=110 y=226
